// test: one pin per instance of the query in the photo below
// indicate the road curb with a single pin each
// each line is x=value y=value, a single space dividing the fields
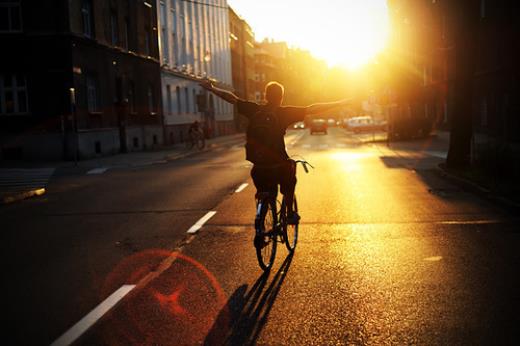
x=21 y=196
x=479 y=190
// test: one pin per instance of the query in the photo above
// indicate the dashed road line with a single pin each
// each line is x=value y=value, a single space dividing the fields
x=92 y=317
x=99 y=170
x=241 y=187
x=198 y=225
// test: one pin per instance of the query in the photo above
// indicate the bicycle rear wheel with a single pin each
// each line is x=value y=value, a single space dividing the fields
x=201 y=142
x=290 y=232
x=265 y=244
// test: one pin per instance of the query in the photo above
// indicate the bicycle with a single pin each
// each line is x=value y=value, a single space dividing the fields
x=196 y=139
x=271 y=225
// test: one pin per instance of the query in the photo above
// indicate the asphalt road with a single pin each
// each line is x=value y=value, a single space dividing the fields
x=389 y=253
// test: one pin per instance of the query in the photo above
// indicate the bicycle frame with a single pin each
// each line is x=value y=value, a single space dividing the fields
x=266 y=240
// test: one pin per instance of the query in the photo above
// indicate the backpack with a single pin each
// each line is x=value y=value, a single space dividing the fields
x=262 y=138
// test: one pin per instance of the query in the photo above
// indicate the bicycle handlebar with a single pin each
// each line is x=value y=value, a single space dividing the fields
x=304 y=164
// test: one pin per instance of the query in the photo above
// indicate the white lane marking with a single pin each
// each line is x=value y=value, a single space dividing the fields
x=306 y=146
x=433 y=259
x=241 y=187
x=198 y=225
x=324 y=146
x=88 y=321
x=100 y=170
x=342 y=145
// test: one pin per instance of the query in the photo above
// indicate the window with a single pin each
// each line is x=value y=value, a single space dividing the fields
x=169 y=99
x=194 y=99
x=147 y=42
x=164 y=33
x=175 y=48
x=187 y=96
x=86 y=16
x=92 y=94
x=164 y=44
x=482 y=8
x=151 y=100
x=13 y=94
x=10 y=16
x=178 y=96
x=131 y=97
x=114 y=28
x=126 y=29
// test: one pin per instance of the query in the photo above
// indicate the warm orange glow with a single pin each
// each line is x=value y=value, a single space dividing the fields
x=347 y=33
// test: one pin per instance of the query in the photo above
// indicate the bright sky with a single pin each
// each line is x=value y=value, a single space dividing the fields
x=343 y=32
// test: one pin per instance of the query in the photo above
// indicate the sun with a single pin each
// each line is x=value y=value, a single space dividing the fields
x=348 y=33
x=351 y=34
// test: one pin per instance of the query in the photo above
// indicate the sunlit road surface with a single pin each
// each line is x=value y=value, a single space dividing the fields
x=389 y=253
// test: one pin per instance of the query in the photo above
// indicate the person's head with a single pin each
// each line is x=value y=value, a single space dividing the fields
x=274 y=93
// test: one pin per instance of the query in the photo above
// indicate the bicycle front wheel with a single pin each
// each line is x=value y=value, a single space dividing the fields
x=290 y=232
x=265 y=238
x=190 y=143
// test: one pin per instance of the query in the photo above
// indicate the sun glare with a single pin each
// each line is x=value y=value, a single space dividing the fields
x=347 y=33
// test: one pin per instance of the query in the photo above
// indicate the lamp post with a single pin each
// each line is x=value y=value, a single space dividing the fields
x=72 y=94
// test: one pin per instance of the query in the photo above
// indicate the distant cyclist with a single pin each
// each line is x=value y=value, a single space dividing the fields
x=265 y=146
x=194 y=129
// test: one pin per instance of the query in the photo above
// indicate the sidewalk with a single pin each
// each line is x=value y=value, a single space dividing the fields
x=503 y=193
x=146 y=158
x=23 y=179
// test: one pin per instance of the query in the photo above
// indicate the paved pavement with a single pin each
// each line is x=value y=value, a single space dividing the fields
x=20 y=180
x=389 y=253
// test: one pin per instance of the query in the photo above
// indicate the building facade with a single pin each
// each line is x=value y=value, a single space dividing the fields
x=194 y=44
x=270 y=61
x=242 y=46
x=94 y=88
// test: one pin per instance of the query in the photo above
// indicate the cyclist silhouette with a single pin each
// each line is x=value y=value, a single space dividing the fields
x=265 y=146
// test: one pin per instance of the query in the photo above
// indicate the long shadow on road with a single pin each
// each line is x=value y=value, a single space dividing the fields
x=246 y=312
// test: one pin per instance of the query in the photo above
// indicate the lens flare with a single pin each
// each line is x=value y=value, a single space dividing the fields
x=178 y=303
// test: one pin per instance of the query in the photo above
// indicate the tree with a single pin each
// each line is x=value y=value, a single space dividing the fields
x=464 y=23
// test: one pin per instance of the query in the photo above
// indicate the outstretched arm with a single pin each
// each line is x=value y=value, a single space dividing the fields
x=223 y=94
x=318 y=108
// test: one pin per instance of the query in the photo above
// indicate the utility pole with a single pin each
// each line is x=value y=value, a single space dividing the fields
x=72 y=92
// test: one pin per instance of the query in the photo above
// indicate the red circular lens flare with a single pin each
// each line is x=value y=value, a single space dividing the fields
x=178 y=307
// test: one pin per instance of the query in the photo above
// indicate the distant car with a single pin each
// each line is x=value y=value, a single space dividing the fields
x=299 y=125
x=362 y=124
x=318 y=125
x=331 y=122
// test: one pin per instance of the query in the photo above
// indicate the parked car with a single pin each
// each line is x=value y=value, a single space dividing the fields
x=299 y=125
x=362 y=124
x=318 y=125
